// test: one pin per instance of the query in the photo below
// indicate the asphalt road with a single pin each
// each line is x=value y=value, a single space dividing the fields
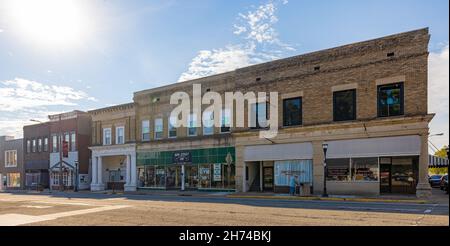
x=103 y=209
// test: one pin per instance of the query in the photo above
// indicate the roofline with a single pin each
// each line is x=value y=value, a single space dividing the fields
x=110 y=107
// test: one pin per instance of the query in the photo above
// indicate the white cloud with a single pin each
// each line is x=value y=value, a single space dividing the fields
x=21 y=93
x=1 y=30
x=438 y=99
x=22 y=99
x=260 y=44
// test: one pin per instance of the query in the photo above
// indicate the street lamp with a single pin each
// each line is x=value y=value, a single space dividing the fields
x=437 y=134
x=325 y=170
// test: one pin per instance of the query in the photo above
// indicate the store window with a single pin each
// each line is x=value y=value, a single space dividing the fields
x=344 y=105
x=45 y=144
x=107 y=136
x=390 y=100
x=284 y=170
x=159 y=128
x=292 y=111
x=11 y=158
x=217 y=176
x=338 y=169
x=39 y=142
x=192 y=123
x=13 y=180
x=171 y=127
x=364 y=169
x=226 y=121
x=208 y=123
x=120 y=135
x=73 y=141
x=145 y=130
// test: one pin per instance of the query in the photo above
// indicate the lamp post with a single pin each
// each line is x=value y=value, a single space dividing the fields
x=325 y=170
x=76 y=177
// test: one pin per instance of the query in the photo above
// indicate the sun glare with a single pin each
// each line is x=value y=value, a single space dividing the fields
x=51 y=22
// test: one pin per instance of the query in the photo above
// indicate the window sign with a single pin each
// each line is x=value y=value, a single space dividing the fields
x=217 y=172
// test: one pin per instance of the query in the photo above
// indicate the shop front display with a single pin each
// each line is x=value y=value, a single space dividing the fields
x=209 y=169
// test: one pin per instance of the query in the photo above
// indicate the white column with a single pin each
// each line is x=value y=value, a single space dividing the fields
x=94 y=170
x=423 y=189
x=99 y=171
x=131 y=173
x=128 y=171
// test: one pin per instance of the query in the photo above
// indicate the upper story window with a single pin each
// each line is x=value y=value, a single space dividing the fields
x=73 y=141
x=11 y=158
x=171 y=127
x=107 y=136
x=344 y=105
x=226 y=121
x=55 y=143
x=390 y=100
x=39 y=142
x=208 y=123
x=292 y=111
x=33 y=147
x=145 y=130
x=120 y=135
x=192 y=122
x=258 y=115
x=67 y=139
x=45 y=144
x=159 y=128
x=28 y=146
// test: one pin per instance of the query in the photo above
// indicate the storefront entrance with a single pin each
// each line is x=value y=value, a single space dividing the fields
x=268 y=179
x=398 y=175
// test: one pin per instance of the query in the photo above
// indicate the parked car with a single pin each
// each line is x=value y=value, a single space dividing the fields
x=444 y=183
x=435 y=180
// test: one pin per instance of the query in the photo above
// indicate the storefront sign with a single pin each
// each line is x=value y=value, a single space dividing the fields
x=204 y=173
x=182 y=157
x=217 y=172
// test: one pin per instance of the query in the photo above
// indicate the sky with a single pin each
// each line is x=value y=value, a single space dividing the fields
x=61 y=55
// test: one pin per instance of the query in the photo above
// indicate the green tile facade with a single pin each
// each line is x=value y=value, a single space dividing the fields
x=199 y=156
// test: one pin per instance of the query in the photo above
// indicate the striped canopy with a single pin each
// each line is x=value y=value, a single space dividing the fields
x=435 y=161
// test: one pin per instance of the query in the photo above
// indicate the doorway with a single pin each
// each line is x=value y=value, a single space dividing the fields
x=385 y=178
x=267 y=178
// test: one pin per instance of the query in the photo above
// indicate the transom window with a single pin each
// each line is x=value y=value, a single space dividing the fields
x=344 y=105
x=292 y=111
x=390 y=100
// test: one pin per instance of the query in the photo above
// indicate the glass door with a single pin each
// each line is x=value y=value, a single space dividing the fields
x=174 y=177
x=268 y=178
x=191 y=174
x=385 y=178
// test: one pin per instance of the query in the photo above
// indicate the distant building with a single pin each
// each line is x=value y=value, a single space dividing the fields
x=11 y=163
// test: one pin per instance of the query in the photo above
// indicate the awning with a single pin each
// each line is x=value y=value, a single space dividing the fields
x=374 y=147
x=436 y=161
x=279 y=152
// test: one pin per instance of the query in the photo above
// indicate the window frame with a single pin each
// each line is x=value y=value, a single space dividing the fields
x=46 y=144
x=194 y=121
x=223 y=126
x=206 y=133
x=8 y=154
x=402 y=99
x=285 y=111
x=55 y=143
x=117 y=135
x=257 y=126
x=159 y=122
x=353 y=116
x=142 y=130
x=104 y=136
x=171 y=127
x=28 y=146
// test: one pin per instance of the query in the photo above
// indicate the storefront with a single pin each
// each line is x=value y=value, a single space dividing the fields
x=194 y=169
x=270 y=167
x=373 y=166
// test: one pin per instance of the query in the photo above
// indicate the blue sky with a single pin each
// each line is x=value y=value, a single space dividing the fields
x=125 y=46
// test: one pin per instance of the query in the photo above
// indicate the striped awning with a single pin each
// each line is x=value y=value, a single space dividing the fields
x=436 y=161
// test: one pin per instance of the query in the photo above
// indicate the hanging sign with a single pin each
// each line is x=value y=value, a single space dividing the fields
x=217 y=172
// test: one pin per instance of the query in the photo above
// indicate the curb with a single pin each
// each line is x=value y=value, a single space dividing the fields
x=331 y=199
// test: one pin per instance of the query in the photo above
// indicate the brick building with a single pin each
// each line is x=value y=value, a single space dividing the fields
x=366 y=102
x=36 y=155
x=11 y=163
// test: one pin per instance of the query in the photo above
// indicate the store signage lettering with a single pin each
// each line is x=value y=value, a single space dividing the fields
x=217 y=172
x=182 y=157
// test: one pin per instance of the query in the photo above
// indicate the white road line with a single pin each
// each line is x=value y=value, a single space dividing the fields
x=21 y=219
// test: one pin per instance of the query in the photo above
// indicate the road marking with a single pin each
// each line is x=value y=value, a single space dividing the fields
x=427 y=211
x=21 y=219
x=381 y=209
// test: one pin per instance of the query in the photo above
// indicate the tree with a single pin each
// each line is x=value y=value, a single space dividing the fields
x=442 y=152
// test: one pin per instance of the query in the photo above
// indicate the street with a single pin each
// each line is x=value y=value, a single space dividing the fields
x=103 y=209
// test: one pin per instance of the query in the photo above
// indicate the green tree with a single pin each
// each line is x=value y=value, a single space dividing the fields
x=442 y=152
